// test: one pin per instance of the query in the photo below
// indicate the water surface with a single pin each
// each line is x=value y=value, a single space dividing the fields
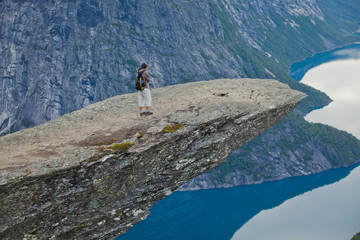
x=216 y=214
x=331 y=212
x=327 y=213
x=340 y=80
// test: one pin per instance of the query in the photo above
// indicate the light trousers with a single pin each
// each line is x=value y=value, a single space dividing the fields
x=145 y=98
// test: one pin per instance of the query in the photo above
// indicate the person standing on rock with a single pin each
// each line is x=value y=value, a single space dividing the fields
x=144 y=95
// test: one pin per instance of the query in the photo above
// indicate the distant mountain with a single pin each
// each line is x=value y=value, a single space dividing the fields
x=292 y=148
x=59 y=56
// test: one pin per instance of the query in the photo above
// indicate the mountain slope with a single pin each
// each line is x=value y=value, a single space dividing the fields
x=59 y=56
x=292 y=148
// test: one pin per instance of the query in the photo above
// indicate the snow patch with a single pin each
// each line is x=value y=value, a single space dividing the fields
x=292 y=23
x=269 y=72
x=271 y=22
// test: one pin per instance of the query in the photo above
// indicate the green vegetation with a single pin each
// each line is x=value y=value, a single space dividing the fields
x=238 y=162
x=340 y=147
x=356 y=236
x=27 y=123
x=293 y=135
x=204 y=56
x=139 y=135
x=172 y=128
x=121 y=147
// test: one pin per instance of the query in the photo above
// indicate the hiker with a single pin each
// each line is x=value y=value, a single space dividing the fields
x=144 y=95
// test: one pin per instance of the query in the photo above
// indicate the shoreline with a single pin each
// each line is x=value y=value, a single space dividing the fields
x=322 y=52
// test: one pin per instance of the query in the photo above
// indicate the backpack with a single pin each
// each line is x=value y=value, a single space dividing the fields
x=140 y=82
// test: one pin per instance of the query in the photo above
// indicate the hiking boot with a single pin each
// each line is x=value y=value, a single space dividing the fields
x=142 y=113
x=148 y=113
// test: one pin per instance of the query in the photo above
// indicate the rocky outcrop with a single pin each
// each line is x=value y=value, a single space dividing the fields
x=60 y=56
x=94 y=173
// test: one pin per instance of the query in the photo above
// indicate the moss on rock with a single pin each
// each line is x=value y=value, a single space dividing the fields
x=172 y=128
x=121 y=147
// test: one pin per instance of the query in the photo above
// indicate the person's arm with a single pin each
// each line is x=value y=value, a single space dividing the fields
x=147 y=77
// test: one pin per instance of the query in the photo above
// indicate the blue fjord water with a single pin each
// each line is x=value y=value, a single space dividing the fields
x=319 y=206
x=216 y=214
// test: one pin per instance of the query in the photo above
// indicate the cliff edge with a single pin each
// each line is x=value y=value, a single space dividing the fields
x=96 y=172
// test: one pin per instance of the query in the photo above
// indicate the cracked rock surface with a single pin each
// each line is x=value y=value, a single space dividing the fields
x=96 y=172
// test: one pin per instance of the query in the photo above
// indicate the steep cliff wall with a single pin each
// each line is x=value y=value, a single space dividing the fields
x=59 y=56
x=94 y=173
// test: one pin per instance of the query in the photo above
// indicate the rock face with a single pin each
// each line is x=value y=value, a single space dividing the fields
x=60 y=56
x=94 y=173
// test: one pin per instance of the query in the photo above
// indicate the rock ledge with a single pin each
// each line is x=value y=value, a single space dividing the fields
x=95 y=173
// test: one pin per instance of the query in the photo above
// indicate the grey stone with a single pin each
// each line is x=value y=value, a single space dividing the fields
x=66 y=179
